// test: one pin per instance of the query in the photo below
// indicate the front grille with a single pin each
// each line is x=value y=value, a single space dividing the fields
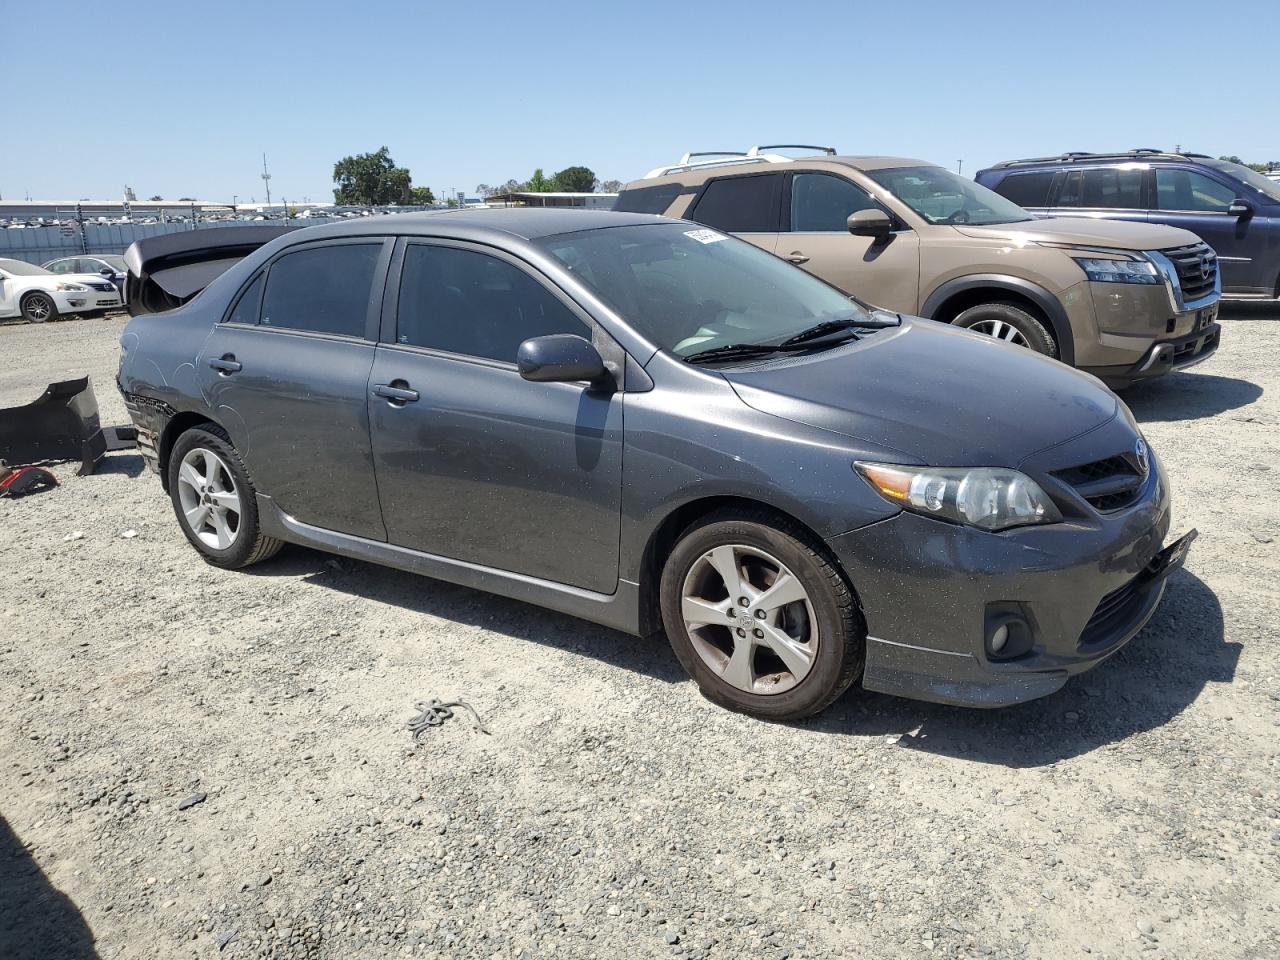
x=97 y=285
x=1110 y=484
x=1112 y=612
x=1197 y=267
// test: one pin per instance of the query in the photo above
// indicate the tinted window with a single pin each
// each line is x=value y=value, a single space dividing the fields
x=62 y=266
x=1026 y=189
x=474 y=304
x=1103 y=187
x=741 y=204
x=1184 y=190
x=246 y=308
x=325 y=289
x=823 y=202
x=648 y=199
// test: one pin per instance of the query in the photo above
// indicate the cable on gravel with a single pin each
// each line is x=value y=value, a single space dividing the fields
x=433 y=713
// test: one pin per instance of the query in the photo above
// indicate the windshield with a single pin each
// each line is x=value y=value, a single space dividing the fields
x=941 y=196
x=20 y=268
x=1251 y=178
x=693 y=289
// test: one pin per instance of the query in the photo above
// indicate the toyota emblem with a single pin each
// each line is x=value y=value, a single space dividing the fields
x=1140 y=452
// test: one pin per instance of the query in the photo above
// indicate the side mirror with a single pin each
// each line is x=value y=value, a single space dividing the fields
x=107 y=272
x=870 y=223
x=1240 y=208
x=559 y=358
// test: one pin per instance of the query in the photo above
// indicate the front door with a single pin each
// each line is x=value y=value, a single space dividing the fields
x=475 y=463
x=881 y=271
x=287 y=374
x=1200 y=203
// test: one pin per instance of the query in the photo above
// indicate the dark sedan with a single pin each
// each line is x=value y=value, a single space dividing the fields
x=649 y=424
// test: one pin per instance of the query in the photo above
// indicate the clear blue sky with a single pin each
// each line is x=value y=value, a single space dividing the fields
x=478 y=92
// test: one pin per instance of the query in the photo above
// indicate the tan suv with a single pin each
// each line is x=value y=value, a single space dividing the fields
x=1123 y=300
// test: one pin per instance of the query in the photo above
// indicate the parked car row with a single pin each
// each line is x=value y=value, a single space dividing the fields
x=1124 y=300
x=654 y=425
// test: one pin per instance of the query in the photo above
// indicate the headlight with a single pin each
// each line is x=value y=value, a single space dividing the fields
x=1118 y=271
x=69 y=287
x=991 y=498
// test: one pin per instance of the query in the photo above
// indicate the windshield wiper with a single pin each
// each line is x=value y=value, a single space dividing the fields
x=812 y=338
x=824 y=329
x=742 y=351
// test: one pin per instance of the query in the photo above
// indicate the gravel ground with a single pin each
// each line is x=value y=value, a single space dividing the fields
x=612 y=809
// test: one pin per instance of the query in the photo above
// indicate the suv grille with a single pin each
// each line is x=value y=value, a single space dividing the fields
x=1110 y=484
x=1197 y=267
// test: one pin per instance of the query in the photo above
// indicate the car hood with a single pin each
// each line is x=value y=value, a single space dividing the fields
x=934 y=393
x=1086 y=231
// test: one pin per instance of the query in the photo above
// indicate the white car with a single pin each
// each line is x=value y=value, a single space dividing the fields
x=37 y=295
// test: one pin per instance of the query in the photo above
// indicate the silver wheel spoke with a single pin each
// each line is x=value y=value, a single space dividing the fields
x=786 y=589
x=790 y=651
x=738 y=670
x=725 y=561
x=226 y=501
x=222 y=528
x=196 y=517
x=210 y=471
x=698 y=611
x=190 y=476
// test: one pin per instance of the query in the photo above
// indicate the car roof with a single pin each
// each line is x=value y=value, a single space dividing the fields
x=523 y=223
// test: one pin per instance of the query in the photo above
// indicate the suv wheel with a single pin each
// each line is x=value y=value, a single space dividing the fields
x=1010 y=323
x=215 y=501
x=760 y=617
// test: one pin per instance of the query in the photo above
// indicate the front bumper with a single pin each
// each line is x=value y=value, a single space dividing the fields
x=1165 y=356
x=75 y=301
x=930 y=591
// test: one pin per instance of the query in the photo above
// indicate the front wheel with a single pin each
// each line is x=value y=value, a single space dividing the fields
x=38 y=307
x=760 y=616
x=1010 y=323
x=214 y=500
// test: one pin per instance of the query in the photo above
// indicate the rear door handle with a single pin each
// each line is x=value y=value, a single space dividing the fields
x=797 y=257
x=398 y=395
x=226 y=364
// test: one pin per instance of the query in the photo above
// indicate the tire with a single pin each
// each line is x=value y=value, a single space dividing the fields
x=37 y=307
x=735 y=661
x=1011 y=323
x=203 y=496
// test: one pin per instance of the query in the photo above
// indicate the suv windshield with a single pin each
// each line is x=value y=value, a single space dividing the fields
x=690 y=290
x=1252 y=178
x=941 y=196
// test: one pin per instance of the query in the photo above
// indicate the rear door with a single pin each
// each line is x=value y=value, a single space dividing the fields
x=1118 y=192
x=474 y=462
x=1029 y=189
x=748 y=206
x=1191 y=199
x=287 y=374
x=816 y=208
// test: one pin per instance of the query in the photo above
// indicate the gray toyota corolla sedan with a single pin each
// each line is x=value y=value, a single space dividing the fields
x=650 y=425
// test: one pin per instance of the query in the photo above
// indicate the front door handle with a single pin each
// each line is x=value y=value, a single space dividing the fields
x=397 y=392
x=797 y=257
x=226 y=364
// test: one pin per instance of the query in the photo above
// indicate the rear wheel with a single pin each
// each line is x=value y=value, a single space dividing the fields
x=760 y=617
x=1011 y=323
x=37 y=307
x=214 y=500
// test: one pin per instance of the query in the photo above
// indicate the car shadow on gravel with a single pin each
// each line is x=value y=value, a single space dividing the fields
x=464 y=605
x=37 y=921
x=1188 y=396
x=1149 y=682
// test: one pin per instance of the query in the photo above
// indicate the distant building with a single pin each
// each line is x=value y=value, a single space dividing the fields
x=591 y=201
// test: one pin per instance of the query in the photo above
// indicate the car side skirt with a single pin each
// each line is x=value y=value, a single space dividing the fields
x=619 y=610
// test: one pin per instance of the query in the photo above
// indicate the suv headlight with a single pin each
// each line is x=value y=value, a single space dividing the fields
x=69 y=287
x=990 y=498
x=1118 y=271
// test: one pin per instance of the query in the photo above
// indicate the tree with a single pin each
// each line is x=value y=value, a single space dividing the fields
x=539 y=183
x=156 y=197
x=575 y=180
x=484 y=191
x=611 y=186
x=421 y=196
x=1231 y=159
x=370 y=179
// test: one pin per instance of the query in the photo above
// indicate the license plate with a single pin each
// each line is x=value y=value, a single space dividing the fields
x=1206 y=316
x=1170 y=558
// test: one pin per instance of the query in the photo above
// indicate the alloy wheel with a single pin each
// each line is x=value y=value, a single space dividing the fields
x=39 y=308
x=211 y=506
x=1001 y=330
x=750 y=619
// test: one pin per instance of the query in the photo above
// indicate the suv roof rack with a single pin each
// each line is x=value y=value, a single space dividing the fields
x=1073 y=156
x=724 y=158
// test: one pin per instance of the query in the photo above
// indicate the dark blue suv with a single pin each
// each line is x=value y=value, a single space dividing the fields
x=1230 y=207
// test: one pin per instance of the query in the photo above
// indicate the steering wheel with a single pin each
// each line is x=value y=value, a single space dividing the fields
x=958 y=216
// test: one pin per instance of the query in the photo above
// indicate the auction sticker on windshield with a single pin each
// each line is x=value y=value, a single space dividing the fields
x=704 y=236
